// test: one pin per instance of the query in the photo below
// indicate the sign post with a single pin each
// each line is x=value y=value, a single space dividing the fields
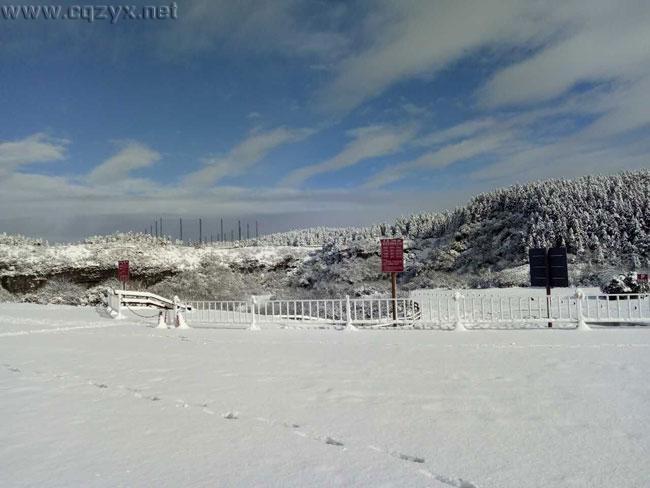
x=392 y=261
x=548 y=268
x=123 y=272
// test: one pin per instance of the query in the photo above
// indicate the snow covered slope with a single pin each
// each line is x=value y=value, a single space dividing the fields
x=87 y=401
x=26 y=266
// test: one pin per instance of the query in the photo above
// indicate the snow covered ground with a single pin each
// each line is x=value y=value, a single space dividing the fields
x=88 y=401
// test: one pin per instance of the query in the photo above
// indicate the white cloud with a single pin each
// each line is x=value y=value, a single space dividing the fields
x=624 y=109
x=37 y=148
x=414 y=38
x=456 y=132
x=369 y=142
x=280 y=27
x=117 y=168
x=608 y=41
x=440 y=158
x=564 y=158
x=245 y=155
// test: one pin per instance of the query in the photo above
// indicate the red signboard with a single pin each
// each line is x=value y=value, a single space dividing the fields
x=642 y=277
x=392 y=255
x=123 y=271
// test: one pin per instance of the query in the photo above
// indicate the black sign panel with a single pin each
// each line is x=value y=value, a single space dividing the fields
x=537 y=259
x=557 y=263
x=548 y=265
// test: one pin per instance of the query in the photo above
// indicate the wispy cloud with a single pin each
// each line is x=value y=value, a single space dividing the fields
x=456 y=132
x=414 y=38
x=37 y=148
x=280 y=27
x=440 y=158
x=245 y=155
x=368 y=142
x=604 y=43
x=132 y=156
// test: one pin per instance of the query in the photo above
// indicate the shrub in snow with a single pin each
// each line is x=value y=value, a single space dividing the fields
x=5 y=296
x=129 y=238
x=625 y=284
x=58 y=291
x=211 y=282
x=20 y=240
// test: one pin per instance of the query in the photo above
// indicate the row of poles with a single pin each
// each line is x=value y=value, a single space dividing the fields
x=156 y=229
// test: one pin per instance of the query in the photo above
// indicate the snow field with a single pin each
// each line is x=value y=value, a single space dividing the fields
x=88 y=401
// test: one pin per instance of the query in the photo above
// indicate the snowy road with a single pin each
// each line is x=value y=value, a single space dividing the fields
x=87 y=401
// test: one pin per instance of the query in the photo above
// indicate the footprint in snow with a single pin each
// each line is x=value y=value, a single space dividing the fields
x=231 y=415
x=333 y=442
x=454 y=482
x=406 y=457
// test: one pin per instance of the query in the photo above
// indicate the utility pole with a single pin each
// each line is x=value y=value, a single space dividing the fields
x=232 y=235
x=161 y=231
x=181 y=224
x=222 y=230
x=156 y=228
x=239 y=223
x=201 y=231
x=248 y=231
x=257 y=234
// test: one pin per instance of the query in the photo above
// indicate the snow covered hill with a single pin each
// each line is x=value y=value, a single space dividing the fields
x=603 y=220
x=89 y=401
x=599 y=219
x=25 y=267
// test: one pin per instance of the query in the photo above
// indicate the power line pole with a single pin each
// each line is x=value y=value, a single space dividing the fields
x=222 y=230
x=232 y=235
x=161 y=231
x=156 y=228
x=257 y=234
x=248 y=231
x=181 y=225
x=201 y=231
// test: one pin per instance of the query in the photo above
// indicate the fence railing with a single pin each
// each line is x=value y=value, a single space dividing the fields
x=369 y=312
x=434 y=310
x=617 y=308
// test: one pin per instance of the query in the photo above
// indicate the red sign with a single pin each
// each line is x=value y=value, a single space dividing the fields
x=642 y=277
x=392 y=255
x=123 y=271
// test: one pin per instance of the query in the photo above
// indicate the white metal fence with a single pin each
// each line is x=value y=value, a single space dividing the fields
x=429 y=310
x=617 y=308
x=369 y=312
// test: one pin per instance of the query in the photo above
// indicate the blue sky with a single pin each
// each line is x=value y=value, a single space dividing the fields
x=313 y=112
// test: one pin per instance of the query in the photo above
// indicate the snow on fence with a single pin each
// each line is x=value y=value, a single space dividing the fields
x=369 y=312
x=171 y=311
x=432 y=309
x=617 y=308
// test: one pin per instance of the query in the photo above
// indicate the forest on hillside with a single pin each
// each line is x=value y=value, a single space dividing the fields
x=598 y=218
